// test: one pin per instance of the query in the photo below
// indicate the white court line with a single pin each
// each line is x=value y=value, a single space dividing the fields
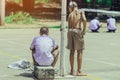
x=103 y=62
x=12 y=39
x=95 y=60
x=4 y=76
x=14 y=42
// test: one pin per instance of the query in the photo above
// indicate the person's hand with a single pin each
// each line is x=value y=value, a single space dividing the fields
x=56 y=47
x=33 y=50
x=83 y=33
x=100 y=24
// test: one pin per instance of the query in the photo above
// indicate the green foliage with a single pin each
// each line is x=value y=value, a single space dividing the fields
x=109 y=2
x=37 y=1
x=19 y=17
x=100 y=1
x=18 y=1
x=88 y=1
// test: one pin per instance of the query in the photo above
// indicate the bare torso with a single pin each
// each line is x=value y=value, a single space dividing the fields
x=74 y=19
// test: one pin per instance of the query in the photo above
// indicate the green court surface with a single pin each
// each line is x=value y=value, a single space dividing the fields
x=100 y=59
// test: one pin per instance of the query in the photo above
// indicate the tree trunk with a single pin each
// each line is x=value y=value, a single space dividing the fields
x=28 y=5
x=2 y=12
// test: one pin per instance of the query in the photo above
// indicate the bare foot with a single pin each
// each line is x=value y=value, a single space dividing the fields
x=72 y=72
x=81 y=74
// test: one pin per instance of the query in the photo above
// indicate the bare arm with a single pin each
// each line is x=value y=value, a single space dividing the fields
x=32 y=47
x=69 y=22
x=33 y=50
x=55 y=48
x=84 y=22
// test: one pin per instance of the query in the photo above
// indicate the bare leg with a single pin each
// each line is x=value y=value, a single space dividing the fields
x=55 y=57
x=72 y=61
x=79 y=61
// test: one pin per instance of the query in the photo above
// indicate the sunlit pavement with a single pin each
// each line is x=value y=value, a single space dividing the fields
x=100 y=57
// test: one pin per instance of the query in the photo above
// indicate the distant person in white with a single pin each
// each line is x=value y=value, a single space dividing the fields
x=95 y=24
x=111 y=24
x=44 y=50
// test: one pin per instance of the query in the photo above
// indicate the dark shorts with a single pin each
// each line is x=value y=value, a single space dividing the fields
x=96 y=30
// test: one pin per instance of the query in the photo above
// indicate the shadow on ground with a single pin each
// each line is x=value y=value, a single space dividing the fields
x=28 y=75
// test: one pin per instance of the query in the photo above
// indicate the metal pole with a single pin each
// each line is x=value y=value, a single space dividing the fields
x=2 y=12
x=63 y=25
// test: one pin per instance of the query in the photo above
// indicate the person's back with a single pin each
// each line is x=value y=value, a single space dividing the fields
x=43 y=47
x=94 y=24
x=74 y=19
x=111 y=23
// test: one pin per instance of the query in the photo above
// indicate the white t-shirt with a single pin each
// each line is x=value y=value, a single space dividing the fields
x=111 y=23
x=94 y=24
x=43 y=46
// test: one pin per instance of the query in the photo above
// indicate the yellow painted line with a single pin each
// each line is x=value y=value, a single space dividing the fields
x=93 y=77
x=9 y=55
x=16 y=57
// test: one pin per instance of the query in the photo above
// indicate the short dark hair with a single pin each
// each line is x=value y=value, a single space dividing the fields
x=109 y=16
x=97 y=18
x=44 y=30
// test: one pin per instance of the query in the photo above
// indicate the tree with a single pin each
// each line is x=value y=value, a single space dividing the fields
x=2 y=12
